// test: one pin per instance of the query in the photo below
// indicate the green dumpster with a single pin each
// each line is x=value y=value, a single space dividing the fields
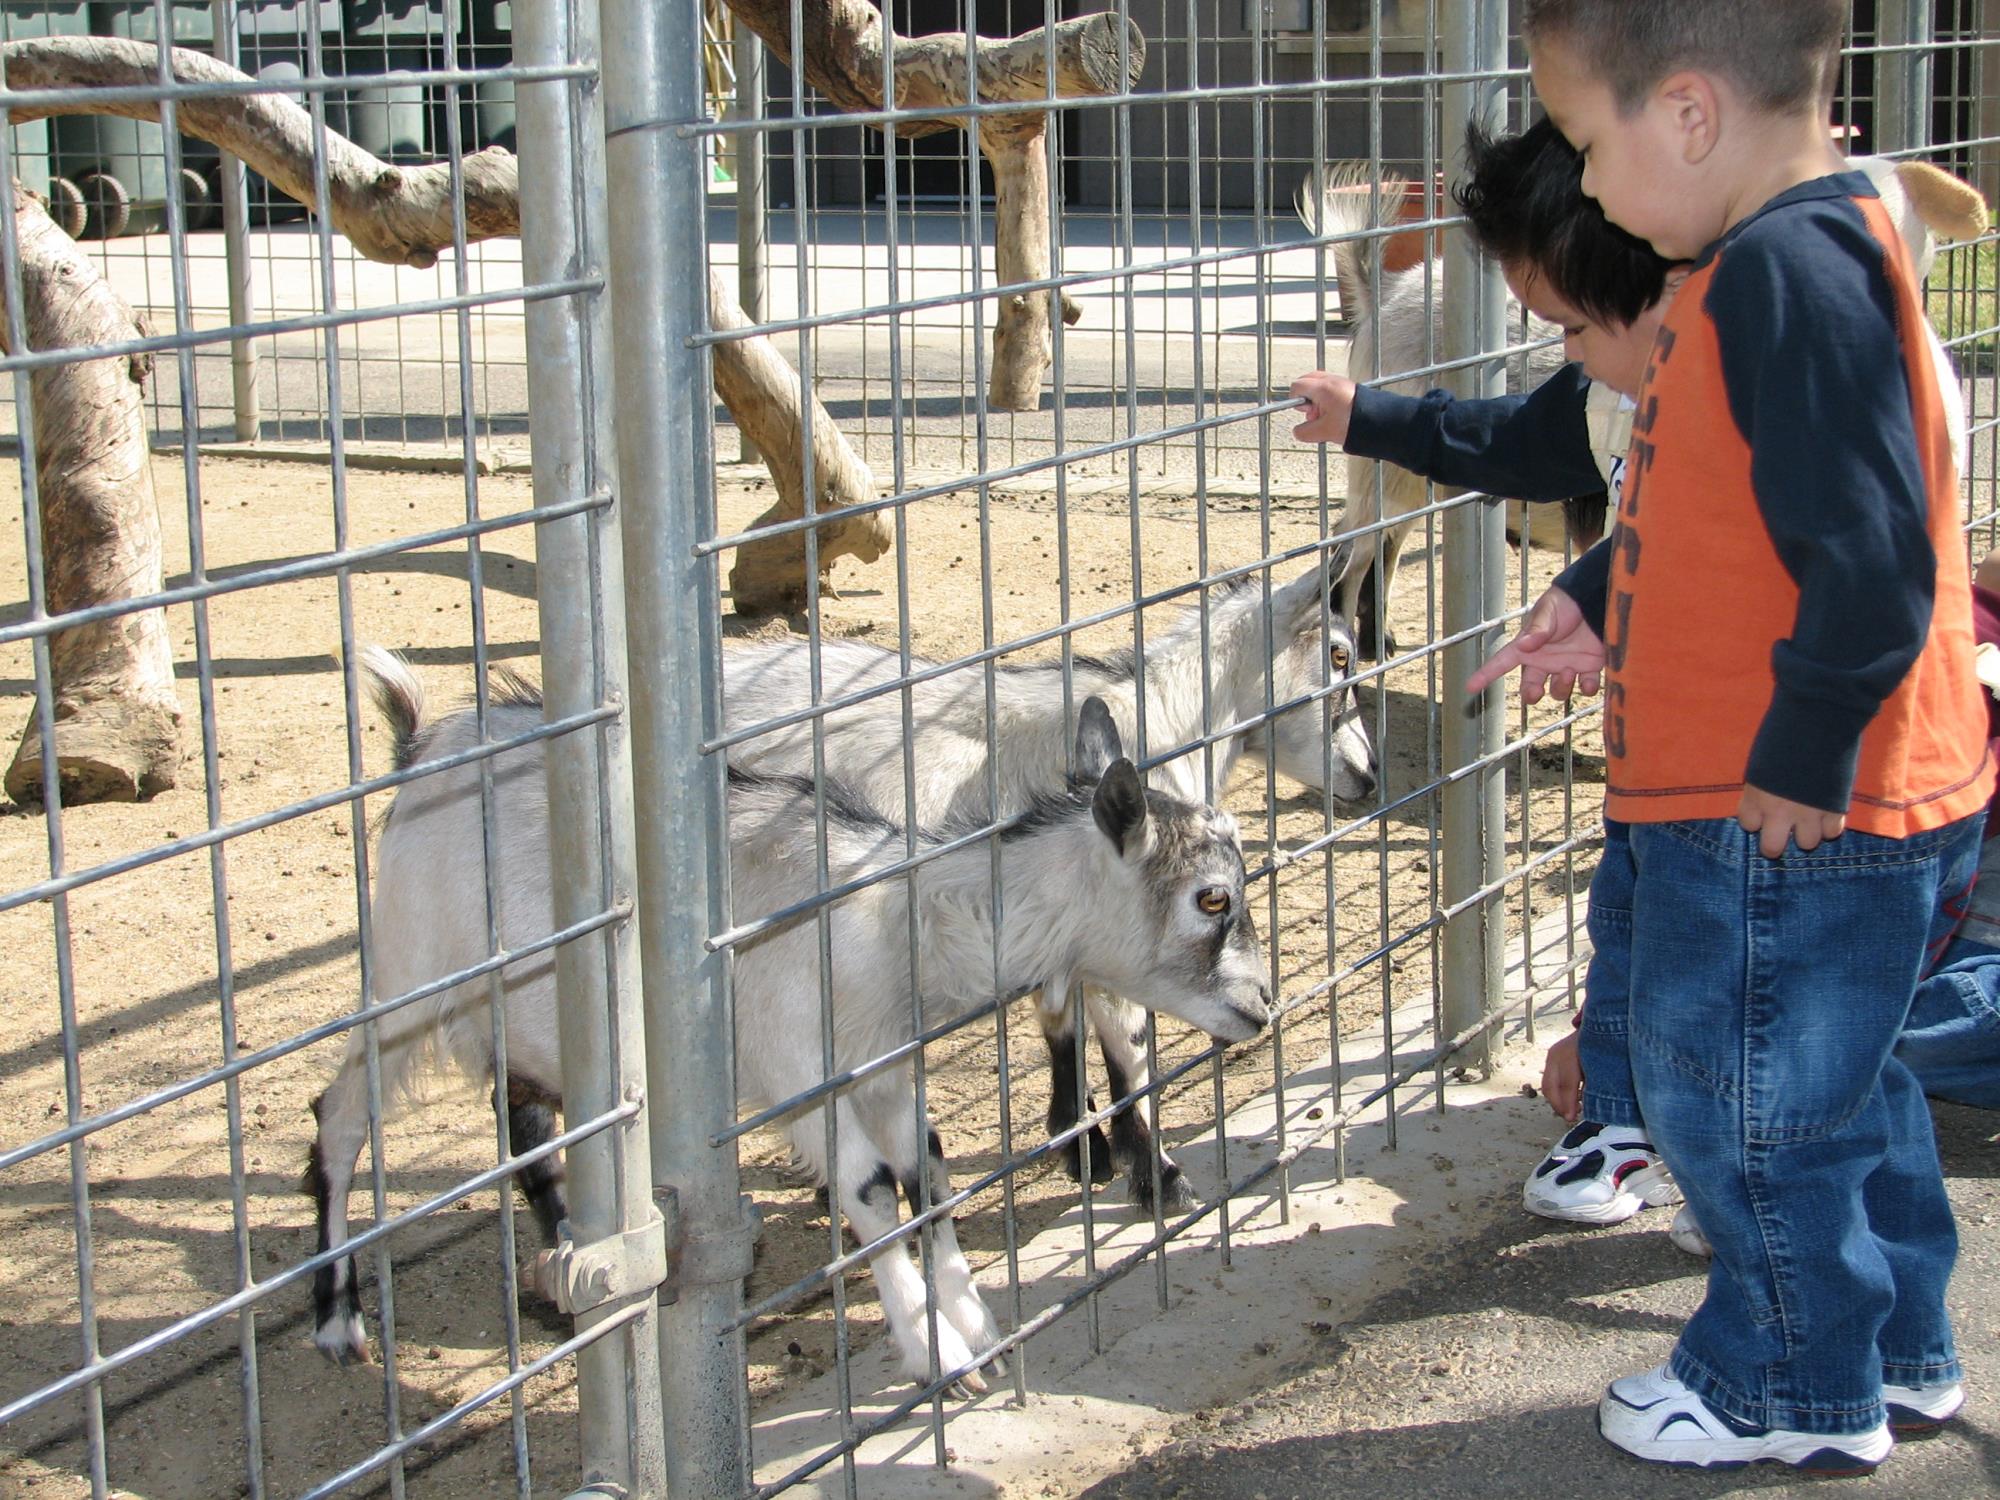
x=31 y=140
x=121 y=165
x=387 y=36
x=489 y=43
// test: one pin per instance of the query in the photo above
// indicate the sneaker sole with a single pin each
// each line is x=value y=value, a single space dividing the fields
x=1617 y=1211
x=1805 y=1451
x=1916 y=1422
x=1908 y=1424
x=1655 y=1185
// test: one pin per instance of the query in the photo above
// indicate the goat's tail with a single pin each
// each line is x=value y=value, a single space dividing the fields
x=1341 y=203
x=398 y=697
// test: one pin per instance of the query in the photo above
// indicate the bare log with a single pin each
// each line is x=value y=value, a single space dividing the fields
x=757 y=385
x=844 y=45
x=843 y=49
x=117 y=717
x=1023 y=341
x=397 y=215
x=401 y=215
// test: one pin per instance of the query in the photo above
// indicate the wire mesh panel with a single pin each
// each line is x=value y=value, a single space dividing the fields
x=930 y=906
x=968 y=961
x=248 y=248
x=1001 y=833
x=262 y=963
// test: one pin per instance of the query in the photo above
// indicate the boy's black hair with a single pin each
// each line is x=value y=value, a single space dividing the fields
x=1524 y=197
x=1781 y=53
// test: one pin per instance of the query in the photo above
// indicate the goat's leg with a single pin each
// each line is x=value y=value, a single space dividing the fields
x=531 y=1121
x=342 y=1112
x=865 y=1181
x=1066 y=1096
x=1363 y=595
x=959 y=1301
x=1121 y=1036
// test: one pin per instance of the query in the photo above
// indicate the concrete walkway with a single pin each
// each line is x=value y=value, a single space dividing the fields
x=1480 y=1377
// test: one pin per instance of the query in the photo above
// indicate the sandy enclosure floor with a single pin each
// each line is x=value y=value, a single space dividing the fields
x=145 y=965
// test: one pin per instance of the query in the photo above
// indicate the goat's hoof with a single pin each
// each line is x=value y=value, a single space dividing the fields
x=343 y=1341
x=967 y=1386
x=1102 y=1169
x=1177 y=1196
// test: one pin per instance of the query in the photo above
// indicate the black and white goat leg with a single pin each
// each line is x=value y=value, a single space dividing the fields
x=531 y=1122
x=880 y=1151
x=1067 y=1100
x=1121 y=1037
x=1362 y=593
x=342 y=1113
x=958 y=1298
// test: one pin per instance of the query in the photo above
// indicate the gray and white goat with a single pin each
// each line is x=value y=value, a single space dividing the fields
x=1403 y=331
x=1107 y=883
x=863 y=747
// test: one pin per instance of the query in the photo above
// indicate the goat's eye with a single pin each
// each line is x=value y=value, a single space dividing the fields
x=1340 y=658
x=1214 y=900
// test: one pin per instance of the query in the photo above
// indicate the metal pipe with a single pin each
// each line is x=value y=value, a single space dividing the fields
x=236 y=249
x=1474 y=817
x=1903 y=78
x=652 y=82
x=1986 y=89
x=579 y=566
x=753 y=230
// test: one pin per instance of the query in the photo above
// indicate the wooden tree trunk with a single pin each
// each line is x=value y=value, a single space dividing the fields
x=401 y=215
x=117 y=717
x=753 y=379
x=844 y=49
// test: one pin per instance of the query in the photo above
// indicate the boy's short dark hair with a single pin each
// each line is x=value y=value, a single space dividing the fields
x=1524 y=197
x=1781 y=53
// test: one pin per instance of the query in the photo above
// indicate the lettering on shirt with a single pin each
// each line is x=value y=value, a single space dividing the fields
x=1625 y=547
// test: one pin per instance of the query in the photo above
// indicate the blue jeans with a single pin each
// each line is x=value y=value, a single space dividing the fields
x=1952 y=1039
x=1770 y=995
x=1603 y=1039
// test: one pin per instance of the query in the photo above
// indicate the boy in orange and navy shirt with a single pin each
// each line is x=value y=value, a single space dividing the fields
x=1795 y=739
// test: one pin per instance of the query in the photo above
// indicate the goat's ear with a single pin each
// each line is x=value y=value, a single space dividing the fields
x=1120 y=805
x=1097 y=742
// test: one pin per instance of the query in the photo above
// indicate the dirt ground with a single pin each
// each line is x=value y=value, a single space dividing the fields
x=163 y=1233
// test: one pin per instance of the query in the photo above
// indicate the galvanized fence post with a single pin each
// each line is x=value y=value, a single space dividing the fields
x=652 y=86
x=753 y=230
x=235 y=184
x=1474 y=35
x=580 y=590
x=1903 y=79
x=1986 y=89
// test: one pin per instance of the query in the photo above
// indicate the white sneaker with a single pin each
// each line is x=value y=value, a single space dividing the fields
x=1654 y=1416
x=1686 y=1234
x=1599 y=1174
x=1922 y=1408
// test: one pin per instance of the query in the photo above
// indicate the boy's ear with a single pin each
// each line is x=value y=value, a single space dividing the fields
x=1694 y=104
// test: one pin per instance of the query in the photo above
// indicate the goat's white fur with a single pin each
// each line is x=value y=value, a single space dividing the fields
x=863 y=745
x=1406 y=332
x=1082 y=904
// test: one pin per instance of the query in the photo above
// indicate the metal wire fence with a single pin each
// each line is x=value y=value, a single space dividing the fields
x=845 y=889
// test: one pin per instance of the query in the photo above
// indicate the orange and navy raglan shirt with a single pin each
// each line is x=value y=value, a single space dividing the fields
x=1784 y=597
